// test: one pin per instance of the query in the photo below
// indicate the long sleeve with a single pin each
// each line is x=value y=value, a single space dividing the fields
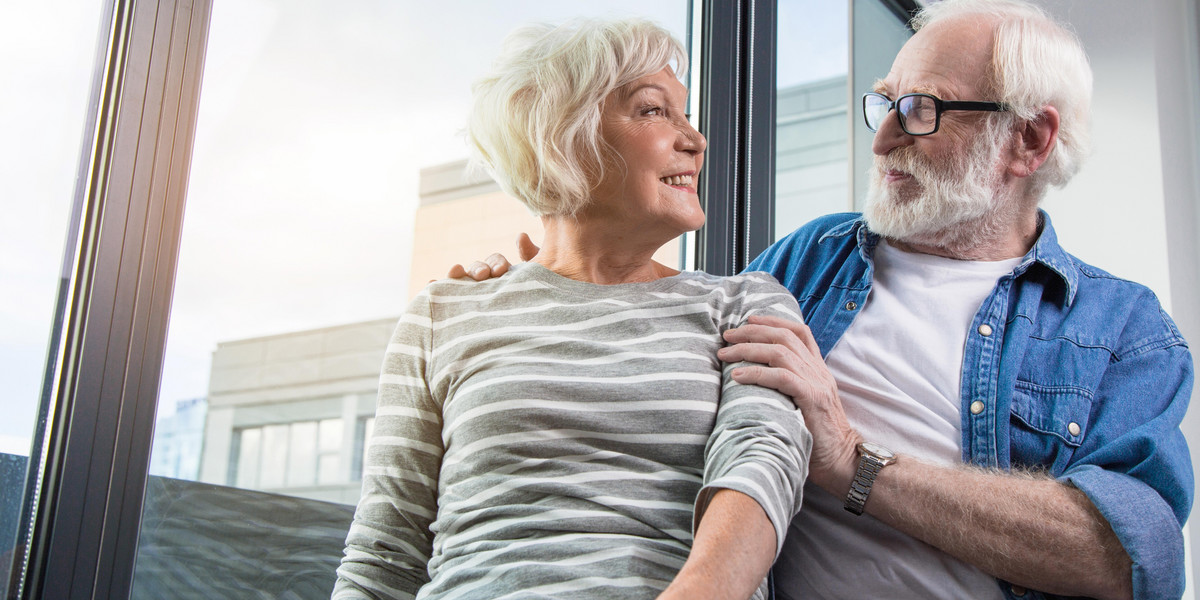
x=390 y=542
x=1142 y=481
x=760 y=445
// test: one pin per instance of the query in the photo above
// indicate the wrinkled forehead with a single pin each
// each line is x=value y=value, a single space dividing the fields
x=950 y=59
x=663 y=81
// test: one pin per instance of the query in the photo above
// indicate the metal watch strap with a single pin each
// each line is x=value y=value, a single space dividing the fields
x=860 y=488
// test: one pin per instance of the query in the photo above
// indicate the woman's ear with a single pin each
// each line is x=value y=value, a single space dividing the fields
x=1034 y=142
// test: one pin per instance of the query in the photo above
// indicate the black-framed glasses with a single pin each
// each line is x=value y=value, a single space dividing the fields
x=920 y=114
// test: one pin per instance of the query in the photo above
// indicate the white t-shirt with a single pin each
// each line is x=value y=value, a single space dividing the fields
x=898 y=369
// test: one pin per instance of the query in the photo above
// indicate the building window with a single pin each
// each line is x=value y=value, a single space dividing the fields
x=366 y=428
x=291 y=455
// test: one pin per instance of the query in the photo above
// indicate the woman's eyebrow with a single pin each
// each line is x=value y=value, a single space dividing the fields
x=625 y=95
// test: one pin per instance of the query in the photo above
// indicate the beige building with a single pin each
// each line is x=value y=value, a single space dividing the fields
x=290 y=413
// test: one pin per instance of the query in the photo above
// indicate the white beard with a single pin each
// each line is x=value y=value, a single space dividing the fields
x=953 y=206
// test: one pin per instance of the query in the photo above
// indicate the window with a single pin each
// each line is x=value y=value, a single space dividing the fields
x=362 y=437
x=47 y=53
x=291 y=457
x=822 y=153
x=328 y=185
x=812 y=118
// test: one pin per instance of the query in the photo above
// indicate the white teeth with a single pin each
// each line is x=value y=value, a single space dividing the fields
x=685 y=180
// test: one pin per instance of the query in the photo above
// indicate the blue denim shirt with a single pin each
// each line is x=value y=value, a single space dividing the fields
x=1081 y=374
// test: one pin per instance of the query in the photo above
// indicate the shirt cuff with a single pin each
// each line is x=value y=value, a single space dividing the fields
x=1145 y=525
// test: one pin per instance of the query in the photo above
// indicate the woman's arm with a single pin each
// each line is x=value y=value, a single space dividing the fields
x=389 y=542
x=756 y=462
x=734 y=548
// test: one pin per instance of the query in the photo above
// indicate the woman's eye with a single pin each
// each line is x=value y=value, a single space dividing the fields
x=652 y=111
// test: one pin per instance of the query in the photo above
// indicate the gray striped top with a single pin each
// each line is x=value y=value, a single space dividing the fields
x=542 y=437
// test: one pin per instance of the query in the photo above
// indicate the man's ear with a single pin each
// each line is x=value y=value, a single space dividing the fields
x=1034 y=142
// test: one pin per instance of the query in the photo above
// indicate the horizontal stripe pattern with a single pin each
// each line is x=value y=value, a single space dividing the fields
x=543 y=437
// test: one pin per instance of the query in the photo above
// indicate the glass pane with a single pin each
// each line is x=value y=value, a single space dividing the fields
x=878 y=35
x=302 y=455
x=327 y=187
x=331 y=435
x=812 y=114
x=47 y=56
x=274 y=457
x=248 y=458
x=328 y=471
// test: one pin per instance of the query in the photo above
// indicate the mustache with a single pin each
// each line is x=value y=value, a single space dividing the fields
x=908 y=160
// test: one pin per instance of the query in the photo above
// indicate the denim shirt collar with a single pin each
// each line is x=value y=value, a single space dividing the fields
x=1045 y=251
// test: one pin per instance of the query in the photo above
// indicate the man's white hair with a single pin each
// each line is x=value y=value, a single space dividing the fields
x=1035 y=62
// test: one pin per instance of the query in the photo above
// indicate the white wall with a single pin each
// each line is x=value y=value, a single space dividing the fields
x=1112 y=214
x=1134 y=209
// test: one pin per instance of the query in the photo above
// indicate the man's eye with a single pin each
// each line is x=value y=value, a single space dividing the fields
x=652 y=110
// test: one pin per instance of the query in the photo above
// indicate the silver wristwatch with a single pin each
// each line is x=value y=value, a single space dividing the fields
x=872 y=458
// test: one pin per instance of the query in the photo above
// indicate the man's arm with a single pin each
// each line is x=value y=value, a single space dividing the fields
x=1030 y=530
x=1024 y=528
x=733 y=550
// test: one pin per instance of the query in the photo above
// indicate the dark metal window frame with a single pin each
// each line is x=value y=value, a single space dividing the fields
x=737 y=115
x=903 y=9
x=89 y=474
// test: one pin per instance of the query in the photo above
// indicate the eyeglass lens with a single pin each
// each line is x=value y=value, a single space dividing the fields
x=918 y=113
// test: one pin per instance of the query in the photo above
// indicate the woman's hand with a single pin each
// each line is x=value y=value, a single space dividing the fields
x=496 y=264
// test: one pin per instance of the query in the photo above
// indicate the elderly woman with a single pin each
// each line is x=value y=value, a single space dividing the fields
x=563 y=430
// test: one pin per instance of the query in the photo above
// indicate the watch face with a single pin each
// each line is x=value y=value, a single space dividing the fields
x=877 y=450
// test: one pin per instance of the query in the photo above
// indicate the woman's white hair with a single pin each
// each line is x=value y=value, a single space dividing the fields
x=1035 y=62
x=535 y=123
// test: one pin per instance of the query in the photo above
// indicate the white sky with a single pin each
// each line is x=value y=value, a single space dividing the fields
x=315 y=118
x=46 y=53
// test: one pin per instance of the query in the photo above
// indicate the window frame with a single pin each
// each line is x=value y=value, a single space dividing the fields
x=88 y=477
x=737 y=115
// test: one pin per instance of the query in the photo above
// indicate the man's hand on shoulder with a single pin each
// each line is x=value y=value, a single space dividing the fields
x=496 y=264
x=492 y=266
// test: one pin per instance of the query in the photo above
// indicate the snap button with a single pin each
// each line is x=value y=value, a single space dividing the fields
x=985 y=330
x=1018 y=591
x=1073 y=427
x=976 y=407
x=851 y=305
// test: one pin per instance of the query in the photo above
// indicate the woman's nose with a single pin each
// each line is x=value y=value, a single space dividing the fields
x=691 y=139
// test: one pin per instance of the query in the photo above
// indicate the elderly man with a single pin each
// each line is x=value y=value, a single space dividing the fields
x=954 y=329
x=990 y=415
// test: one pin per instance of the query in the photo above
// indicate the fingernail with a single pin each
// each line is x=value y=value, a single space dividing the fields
x=738 y=372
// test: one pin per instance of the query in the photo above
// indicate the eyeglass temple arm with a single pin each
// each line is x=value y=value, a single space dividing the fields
x=968 y=105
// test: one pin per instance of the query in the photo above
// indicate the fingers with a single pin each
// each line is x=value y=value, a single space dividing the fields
x=765 y=334
x=479 y=271
x=497 y=265
x=780 y=380
x=526 y=249
x=493 y=266
x=800 y=330
x=773 y=355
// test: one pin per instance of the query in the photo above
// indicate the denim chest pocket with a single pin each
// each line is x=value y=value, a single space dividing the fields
x=1050 y=422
